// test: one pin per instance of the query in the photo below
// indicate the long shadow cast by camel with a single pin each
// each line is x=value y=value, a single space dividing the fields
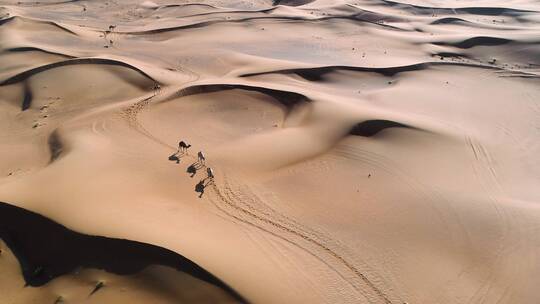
x=175 y=157
x=46 y=250
x=193 y=168
x=202 y=184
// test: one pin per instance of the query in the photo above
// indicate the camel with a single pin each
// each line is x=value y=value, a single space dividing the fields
x=210 y=173
x=201 y=157
x=200 y=188
x=182 y=146
x=203 y=183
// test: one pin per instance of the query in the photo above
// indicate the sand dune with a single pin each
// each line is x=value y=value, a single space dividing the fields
x=364 y=151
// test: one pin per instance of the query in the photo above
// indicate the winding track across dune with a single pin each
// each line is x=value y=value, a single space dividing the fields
x=227 y=197
x=249 y=215
x=423 y=116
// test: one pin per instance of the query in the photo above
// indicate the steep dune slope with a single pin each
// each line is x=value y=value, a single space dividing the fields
x=363 y=151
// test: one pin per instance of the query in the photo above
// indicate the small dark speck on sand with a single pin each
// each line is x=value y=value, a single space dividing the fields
x=99 y=285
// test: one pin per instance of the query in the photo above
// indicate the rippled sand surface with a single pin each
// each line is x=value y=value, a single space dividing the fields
x=364 y=151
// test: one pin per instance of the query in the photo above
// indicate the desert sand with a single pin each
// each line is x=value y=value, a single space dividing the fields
x=364 y=151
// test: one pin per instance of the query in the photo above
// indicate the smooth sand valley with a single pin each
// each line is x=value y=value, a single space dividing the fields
x=364 y=151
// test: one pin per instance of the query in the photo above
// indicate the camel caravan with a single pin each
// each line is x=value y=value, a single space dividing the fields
x=194 y=167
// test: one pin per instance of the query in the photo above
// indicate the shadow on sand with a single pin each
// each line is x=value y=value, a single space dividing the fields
x=46 y=250
x=202 y=184
x=193 y=168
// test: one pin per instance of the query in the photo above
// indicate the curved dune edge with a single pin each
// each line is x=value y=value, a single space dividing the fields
x=364 y=151
x=315 y=73
x=28 y=73
x=51 y=23
x=47 y=250
x=372 y=127
x=489 y=11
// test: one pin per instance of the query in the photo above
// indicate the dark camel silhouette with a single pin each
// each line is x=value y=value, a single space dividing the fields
x=182 y=146
x=192 y=169
x=175 y=158
x=205 y=182
x=200 y=188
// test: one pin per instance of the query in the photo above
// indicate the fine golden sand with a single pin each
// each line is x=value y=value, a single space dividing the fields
x=364 y=151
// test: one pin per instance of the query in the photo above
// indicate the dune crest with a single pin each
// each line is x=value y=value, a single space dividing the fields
x=335 y=151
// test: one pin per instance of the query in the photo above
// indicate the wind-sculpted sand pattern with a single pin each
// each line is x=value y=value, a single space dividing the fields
x=364 y=151
x=251 y=216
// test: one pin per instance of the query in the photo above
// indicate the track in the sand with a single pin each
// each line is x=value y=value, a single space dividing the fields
x=227 y=196
x=249 y=215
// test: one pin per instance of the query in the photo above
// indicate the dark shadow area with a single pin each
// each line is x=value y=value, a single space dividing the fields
x=485 y=11
x=28 y=96
x=202 y=184
x=477 y=41
x=55 y=146
x=193 y=168
x=291 y=2
x=371 y=127
x=104 y=61
x=451 y=20
x=494 y=11
x=451 y=55
x=286 y=98
x=199 y=188
x=46 y=250
x=318 y=73
x=174 y=157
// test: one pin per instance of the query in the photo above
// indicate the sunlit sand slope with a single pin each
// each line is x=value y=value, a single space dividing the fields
x=363 y=151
